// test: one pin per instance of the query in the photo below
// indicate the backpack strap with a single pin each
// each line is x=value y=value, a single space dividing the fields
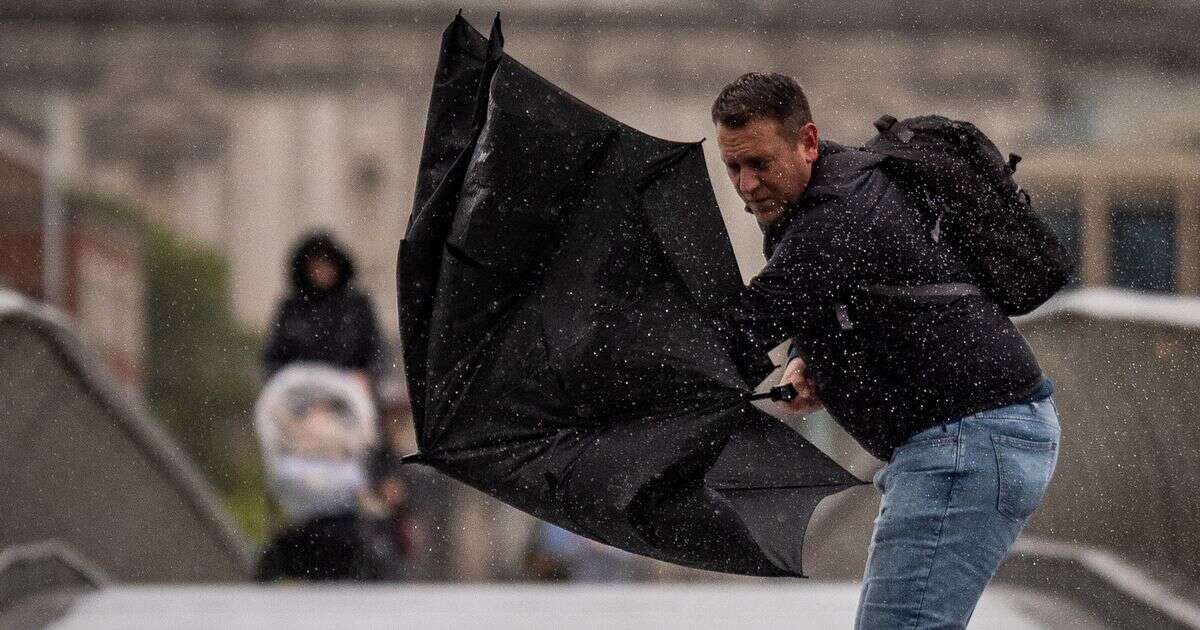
x=948 y=289
x=919 y=292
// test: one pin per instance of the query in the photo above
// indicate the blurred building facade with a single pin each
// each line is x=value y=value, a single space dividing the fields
x=21 y=195
x=1131 y=217
x=244 y=123
x=99 y=266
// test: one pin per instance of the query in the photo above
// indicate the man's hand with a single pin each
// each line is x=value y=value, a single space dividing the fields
x=806 y=400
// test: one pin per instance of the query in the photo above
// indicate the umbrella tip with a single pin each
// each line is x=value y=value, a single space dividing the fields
x=497 y=34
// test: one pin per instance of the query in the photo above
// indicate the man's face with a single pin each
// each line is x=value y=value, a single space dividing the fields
x=768 y=169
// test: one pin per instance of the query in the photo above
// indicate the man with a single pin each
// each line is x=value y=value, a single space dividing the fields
x=944 y=389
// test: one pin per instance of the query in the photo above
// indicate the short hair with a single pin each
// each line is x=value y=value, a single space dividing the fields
x=763 y=95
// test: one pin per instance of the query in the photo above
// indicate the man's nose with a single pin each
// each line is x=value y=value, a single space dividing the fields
x=747 y=182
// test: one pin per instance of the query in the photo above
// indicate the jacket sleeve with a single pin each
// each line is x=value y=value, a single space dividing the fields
x=369 y=349
x=278 y=351
x=811 y=269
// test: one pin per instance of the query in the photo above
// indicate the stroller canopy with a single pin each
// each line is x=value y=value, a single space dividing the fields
x=316 y=426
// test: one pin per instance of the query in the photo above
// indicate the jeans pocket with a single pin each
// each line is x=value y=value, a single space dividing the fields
x=1025 y=468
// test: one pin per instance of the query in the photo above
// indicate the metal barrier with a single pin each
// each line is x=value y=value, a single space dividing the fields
x=1119 y=530
x=1126 y=369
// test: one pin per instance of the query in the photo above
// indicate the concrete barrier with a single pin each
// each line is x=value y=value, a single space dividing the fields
x=83 y=464
x=1127 y=371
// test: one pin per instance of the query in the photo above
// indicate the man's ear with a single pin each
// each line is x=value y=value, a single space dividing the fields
x=809 y=137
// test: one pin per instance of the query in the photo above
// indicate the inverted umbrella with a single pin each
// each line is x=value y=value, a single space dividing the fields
x=561 y=283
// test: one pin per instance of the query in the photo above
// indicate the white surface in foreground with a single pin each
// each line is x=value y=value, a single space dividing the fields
x=1123 y=305
x=521 y=607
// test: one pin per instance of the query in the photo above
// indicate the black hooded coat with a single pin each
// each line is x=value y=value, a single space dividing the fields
x=560 y=285
x=335 y=325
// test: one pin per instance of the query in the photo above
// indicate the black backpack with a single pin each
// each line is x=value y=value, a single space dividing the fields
x=966 y=192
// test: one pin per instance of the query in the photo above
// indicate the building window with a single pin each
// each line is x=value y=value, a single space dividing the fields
x=1061 y=209
x=1143 y=242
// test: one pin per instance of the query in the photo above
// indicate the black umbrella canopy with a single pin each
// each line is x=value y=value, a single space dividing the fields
x=560 y=287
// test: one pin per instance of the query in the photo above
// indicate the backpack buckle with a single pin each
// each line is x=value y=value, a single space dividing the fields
x=885 y=122
x=843 y=317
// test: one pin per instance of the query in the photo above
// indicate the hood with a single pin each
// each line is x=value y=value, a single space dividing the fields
x=838 y=173
x=320 y=244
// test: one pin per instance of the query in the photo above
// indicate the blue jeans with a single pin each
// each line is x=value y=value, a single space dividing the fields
x=955 y=497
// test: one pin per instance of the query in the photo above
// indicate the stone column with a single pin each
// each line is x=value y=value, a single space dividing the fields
x=322 y=163
x=1187 y=237
x=262 y=168
x=64 y=150
x=1095 y=234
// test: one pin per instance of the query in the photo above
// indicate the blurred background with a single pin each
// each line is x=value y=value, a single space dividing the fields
x=159 y=162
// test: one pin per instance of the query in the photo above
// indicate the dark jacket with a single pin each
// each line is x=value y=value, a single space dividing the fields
x=885 y=367
x=335 y=325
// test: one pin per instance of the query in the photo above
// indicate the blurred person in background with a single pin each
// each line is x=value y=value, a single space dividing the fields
x=557 y=555
x=388 y=509
x=316 y=427
x=325 y=319
x=339 y=513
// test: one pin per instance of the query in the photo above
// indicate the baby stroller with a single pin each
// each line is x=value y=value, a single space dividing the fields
x=316 y=428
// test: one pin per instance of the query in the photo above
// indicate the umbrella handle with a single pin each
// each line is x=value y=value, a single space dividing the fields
x=782 y=393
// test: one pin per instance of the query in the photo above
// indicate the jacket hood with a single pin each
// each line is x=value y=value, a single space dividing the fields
x=838 y=173
x=318 y=245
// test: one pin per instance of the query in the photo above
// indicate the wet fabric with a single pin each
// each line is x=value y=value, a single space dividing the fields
x=561 y=285
x=885 y=366
x=339 y=547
